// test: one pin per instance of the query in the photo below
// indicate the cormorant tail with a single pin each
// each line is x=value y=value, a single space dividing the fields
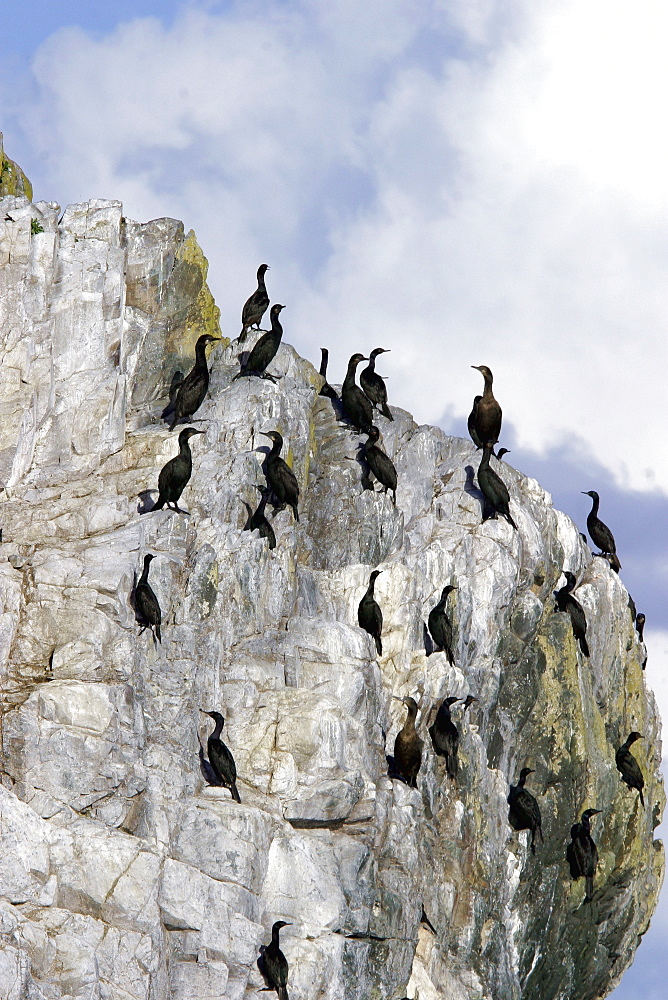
x=159 y=503
x=589 y=888
x=235 y=793
x=451 y=766
x=510 y=521
x=379 y=645
x=282 y=993
x=386 y=411
x=157 y=633
x=295 y=511
x=642 y=801
x=583 y=645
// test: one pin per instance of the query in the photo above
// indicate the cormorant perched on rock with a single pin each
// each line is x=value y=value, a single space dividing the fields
x=445 y=737
x=440 y=626
x=355 y=404
x=487 y=412
x=369 y=615
x=640 y=625
x=190 y=393
x=468 y=701
x=280 y=476
x=373 y=384
x=381 y=466
x=600 y=533
x=146 y=603
x=628 y=766
x=581 y=853
x=220 y=757
x=408 y=746
x=265 y=349
x=493 y=487
x=258 y=520
x=174 y=476
x=566 y=602
x=256 y=306
x=273 y=963
x=471 y=422
x=326 y=389
x=524 y=813
x=501 y=452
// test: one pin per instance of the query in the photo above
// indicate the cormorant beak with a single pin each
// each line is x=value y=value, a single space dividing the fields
x=595 y=811
x=195 y=431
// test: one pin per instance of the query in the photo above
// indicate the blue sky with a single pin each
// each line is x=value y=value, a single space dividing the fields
x=461 y=181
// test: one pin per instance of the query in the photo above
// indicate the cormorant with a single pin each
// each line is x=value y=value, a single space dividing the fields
x=381 y=466
x=640 y=625
x=265 y=349
x=440 y=627
x=173 y=477
x=445 y=737
x=501 y=452
x=190 y=392
x=600 y=533
x=408 y=746
x=273 y=963
x=524 y=813
x=469 y=701
x=259 y=522
x=487 y=412
x=146 y=603
x=369 y=615
x=373 y=384
x=493 y=487
x=280 y=476
x=628 y=766
x=220 y=757
x=355 y=404
x=581 y=853
x=566 y=602
x=471 y=422
x=326 y=389
x=256 y=306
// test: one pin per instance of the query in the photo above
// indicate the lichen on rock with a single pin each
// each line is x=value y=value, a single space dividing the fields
x=121 y=872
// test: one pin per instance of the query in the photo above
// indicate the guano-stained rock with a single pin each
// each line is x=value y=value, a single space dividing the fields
x=121 y=873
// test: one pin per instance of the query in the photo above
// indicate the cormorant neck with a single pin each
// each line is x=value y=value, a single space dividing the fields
x=184 y=449
x=371 y=367
x=409 y=725
x=275 y=931
x=323 y=363
x=200 y=355
x=215 y=735
x=276 y=325
x=595 y=501
x=352 y=369
x=144 y=575
x=520 y=783
x=275 y=448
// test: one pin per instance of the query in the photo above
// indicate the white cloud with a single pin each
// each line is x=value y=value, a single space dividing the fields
x=459 y=186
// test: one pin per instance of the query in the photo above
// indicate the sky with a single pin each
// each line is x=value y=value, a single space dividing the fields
x=463 y=182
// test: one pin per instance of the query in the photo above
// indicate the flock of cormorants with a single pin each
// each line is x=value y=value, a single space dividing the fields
x=282 y=489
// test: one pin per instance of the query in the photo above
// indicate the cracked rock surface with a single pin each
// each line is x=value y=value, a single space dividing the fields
x=122 y=875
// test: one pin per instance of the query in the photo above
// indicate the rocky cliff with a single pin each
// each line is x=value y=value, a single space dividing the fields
x=122 y=875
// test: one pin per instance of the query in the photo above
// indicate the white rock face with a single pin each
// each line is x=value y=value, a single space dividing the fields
x=121 y=873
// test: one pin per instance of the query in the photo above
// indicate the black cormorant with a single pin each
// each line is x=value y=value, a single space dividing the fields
x=445 y=737
x=581 y=853
x=493 y=487
x=280 y=476
x=408 y=746
x=190 y=392
x=174 y=476
x=566 y=602
x=258 y=520
x=373 y=384
x=369 y=615
x=468 y=701
x=381 y=466
x=440 y=626
x=640 y=625
x=256 y=306
x=146 y=603
x=355 y=404
x=524 y=813
x=487 y=412
x=265 y=349
x=628 y=766
x=471 y=422
x=220 y=757
x=326 y=389
x=273 y=963
x=600 y=533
